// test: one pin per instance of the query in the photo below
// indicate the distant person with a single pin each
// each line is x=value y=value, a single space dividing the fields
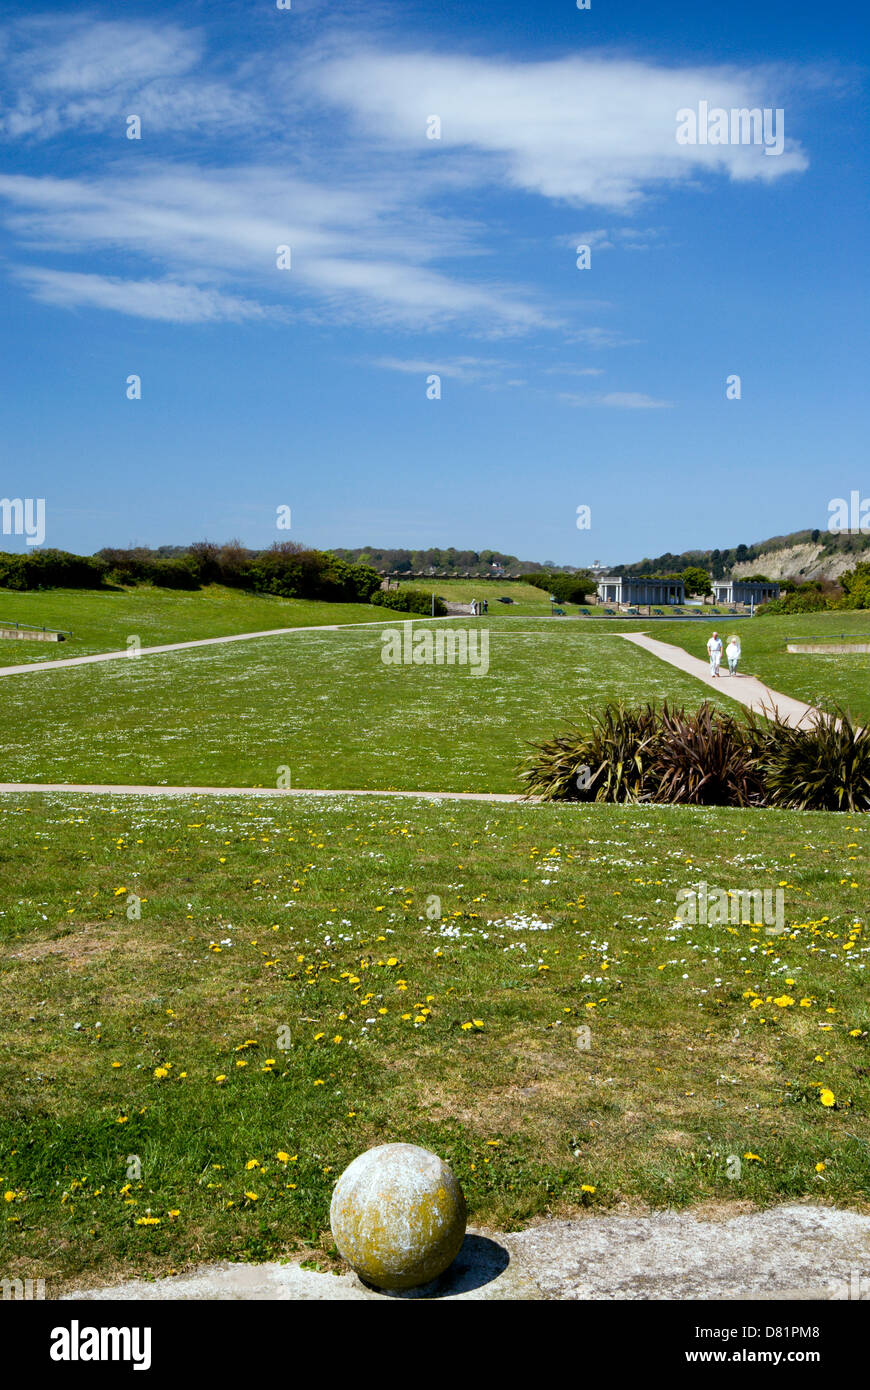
x=486 y=605
x=732 y=652
x=714 y=651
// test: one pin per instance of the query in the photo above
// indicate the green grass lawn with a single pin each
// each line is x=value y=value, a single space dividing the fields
x=185 y=1085
x=808 y=676
x=324 y=705
x=102 y=620
x=528 y=601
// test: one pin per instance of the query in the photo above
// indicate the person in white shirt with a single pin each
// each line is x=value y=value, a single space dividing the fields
x=732 y=651
x=714 y=651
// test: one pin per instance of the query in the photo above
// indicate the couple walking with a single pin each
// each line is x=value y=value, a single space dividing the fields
x=732 y=652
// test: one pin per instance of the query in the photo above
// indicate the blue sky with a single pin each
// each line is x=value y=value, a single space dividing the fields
x=306 y=387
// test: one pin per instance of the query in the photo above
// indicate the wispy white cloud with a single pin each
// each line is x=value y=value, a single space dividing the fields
x=352 y=250
x=147 y=299
x=617 y=400
x=89 y=74
x=574 y=371
x=459 y=368
x=369 y=206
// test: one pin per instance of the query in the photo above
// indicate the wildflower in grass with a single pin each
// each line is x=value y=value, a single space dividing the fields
x=175 y=1212
x=464 y=1026
x=252 y=1196
x=318 y=1036
x=160 y=1072
x=827 y=1097
x=854 y=1032
x=282 y=1157
x=820 y=1167
x=752 y=1158
x=784 y=1001
x=220 y=1078
x=253 y=1163
x=147 y=1221
x=320 y=1082
x=122 y=1119
x=241 y=1062
x=587 y=1187
x=8 y=1196
x=116 y=1064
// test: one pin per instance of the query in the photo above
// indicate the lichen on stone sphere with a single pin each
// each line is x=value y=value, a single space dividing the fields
x=398 y=1216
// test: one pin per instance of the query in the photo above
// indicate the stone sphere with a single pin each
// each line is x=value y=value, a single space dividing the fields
x=398 y=1216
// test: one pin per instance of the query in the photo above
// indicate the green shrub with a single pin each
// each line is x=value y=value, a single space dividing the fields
x=705 y=758
x=824 y=767
x=604 y=763
x=409 y=601
x=173 y=574
x=47 y=569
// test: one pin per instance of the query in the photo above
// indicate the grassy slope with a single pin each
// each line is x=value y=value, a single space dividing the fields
x=102 y=621
x=319 y=918
x=324 y=705
x=528 y=600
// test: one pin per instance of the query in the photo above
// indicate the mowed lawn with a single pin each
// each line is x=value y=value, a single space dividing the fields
x=103 y=620
x=212 y=1005
x=323 y=705
x=528 y=600
x=808 y=676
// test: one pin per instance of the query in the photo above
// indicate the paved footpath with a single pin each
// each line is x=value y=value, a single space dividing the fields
x=748 y=690
x=106 y=789
x=29 y=667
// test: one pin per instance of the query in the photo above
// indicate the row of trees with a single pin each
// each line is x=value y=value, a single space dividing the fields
x=287 y=569
x=442 y=562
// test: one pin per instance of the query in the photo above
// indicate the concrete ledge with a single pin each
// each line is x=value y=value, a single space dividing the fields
x=796 y=1252
x=828 y=647
x=33 y=635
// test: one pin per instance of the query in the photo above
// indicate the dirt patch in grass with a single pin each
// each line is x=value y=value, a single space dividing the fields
x=76 y=947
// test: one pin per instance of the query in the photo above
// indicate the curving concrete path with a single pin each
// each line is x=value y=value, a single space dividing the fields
x=107 y=789
x=128 y=654
x=748 y=690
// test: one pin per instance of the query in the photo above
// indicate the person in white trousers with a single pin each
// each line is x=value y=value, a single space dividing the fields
x=714 y=651
x=732 y=652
